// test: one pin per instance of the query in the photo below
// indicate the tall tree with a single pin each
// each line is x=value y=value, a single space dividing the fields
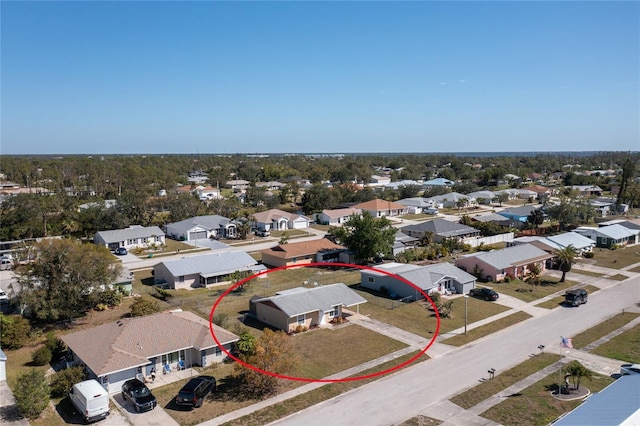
x=63 y=273
x=578 y=372
x=32 y=393
x=367 y=237
x=565 y=258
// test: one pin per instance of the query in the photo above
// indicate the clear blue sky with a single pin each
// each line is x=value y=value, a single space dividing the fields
x=246 y=77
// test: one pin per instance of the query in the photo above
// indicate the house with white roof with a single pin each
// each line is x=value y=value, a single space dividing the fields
x=609 y=236
x=336 y=217
x=204 y=270
x=304 y=307
x=514 y=262
x=438 y=182
x=451 y=199
x=418 y=205
x=279 y=220
x=482 y=197
x=132 y=237
x=551 y=243
x=441 y=229
x=444 y=278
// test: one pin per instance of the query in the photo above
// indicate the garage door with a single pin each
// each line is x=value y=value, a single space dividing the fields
x=197 y=235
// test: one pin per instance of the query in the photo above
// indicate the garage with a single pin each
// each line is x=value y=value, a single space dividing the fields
x=197 y=235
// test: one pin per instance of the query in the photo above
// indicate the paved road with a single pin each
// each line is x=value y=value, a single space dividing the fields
x=414 y=390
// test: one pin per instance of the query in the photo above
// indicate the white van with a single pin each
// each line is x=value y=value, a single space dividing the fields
x=6 y=264
x=90 y=399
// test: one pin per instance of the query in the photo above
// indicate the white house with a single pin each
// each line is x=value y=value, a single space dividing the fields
x=132 y=237
x=276 y=220
x=202 y=227
x=336 y=217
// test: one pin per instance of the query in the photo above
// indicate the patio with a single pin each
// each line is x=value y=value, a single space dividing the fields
x=171 y=377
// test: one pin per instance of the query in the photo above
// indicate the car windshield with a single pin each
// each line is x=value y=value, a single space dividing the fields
x=141 y=392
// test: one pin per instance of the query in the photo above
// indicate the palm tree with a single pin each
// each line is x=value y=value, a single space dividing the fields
x=565 y=258
x=578 y=372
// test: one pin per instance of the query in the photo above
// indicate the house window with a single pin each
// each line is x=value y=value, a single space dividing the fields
x=335 y=312
x=371 y=279
x=181 y=279
x=218 y=351
x=301 y=319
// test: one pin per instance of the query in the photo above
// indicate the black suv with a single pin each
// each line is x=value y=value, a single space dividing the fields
x=575 y=297
x=196 y=390
x=483 y=293
x=139 y=395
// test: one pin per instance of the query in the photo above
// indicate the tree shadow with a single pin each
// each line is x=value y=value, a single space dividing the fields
x=68 y=412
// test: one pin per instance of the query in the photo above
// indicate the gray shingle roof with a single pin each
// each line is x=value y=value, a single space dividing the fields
x=442 y=227
x=427 y=277
x=118 y=235
x=214 y=263
x=209 y=222
x=519 y=211
x=512 y=256
x=130 y=342
x=574 y=239
x=301 y=300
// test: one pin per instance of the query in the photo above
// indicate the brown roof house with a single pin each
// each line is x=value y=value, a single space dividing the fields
x=380 y=208
x=279 y=220
x=304 y=307
x=322 y=250
x=131 y=347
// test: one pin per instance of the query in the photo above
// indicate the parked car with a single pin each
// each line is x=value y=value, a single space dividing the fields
x=90 y=399
x=575 y=297
x=6 y=264
x=139 y=395
x=120 y=251
x=262 y=233
x=484 y=293
x=629 y=369
x=196 y=390
x=4 y=298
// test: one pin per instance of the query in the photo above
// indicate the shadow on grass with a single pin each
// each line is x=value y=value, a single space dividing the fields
x=68 y=412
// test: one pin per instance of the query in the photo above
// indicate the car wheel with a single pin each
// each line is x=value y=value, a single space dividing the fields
x=198 y=403
x=137 y=408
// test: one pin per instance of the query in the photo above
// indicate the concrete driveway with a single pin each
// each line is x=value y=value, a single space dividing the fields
x=155 y=417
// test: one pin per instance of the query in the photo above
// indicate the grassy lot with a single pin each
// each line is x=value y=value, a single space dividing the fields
x=417 y=318
x=559 y=300
x=418 y=217
x=488 y=388
x=594 y=333
x=625 y=346
x=290 y=406
x=421 y=421
x=318 y=349
x=618 y=277
x=636 y=269
x=484 y=330
x=586 y=272
x=535 y=405
x=616 y=259
x=527 y=293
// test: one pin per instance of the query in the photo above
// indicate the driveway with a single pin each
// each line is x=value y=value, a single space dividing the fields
x=155 y=417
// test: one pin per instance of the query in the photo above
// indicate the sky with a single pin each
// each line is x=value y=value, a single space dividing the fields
x=147 y=77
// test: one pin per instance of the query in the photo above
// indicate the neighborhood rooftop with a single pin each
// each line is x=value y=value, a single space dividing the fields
x=218 y=263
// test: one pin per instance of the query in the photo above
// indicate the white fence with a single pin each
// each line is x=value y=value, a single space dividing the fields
x=495 y=239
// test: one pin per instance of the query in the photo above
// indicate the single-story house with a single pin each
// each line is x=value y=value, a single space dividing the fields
x=238 y=185
x=417 y=205
x=124 y=281
x=441 y=229
x=336 y=217
x=403 y=242
x=382 y=208
x=608 y=236
x=633 y=224
x=379 y=180
x=444 y=278
x=438 y=182
x=401 y=183
x=271 y=185
x=497 y=219
x=305 y=307
x=495 y=265
x=512 y=193
x=321 y=250
x=279 y=220
x=482 y=197
x=132 y=237
x=202 y=227
x=451 y=199
x=131 y=347
x=203 y=270
x=587 y=190
x=208 y=193
x=552 y=243
x=524 y=194
x=520 y=213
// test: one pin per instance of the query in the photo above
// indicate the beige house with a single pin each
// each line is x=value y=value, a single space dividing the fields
x=304 y=307
x=381 y=208
x=322 y=250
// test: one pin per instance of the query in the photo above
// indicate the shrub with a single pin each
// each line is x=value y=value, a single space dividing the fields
x=161 y=293
x=589 y=255
x=15 y=331
x=144 y=306
x=31 y=393
x=41 y=356
x=110 y=297
x=63 y=380
x=221 y=319
x=55 y=345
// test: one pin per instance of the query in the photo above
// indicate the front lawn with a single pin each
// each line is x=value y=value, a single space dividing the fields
x=625 y=346
x=616 y=259
x=559 y=300
x=535 y=405
x=594 y=333
x=528 y=293
x=484 y=330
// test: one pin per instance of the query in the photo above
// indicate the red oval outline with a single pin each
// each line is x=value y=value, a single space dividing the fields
x=324 y=264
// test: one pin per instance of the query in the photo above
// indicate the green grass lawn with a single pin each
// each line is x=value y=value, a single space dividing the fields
x=586 y=272
x=417 y=318
x=618 y=277
x=421 y=420
x=636 y=269
x=535 y=406
x=317 y=349
x=594 y=333
x=484 y=330
x=625 y=346
x=616 y=259
x=488 y=388
x=528 y=293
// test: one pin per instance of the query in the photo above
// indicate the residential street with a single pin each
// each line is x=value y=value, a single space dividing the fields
x=416 y=389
